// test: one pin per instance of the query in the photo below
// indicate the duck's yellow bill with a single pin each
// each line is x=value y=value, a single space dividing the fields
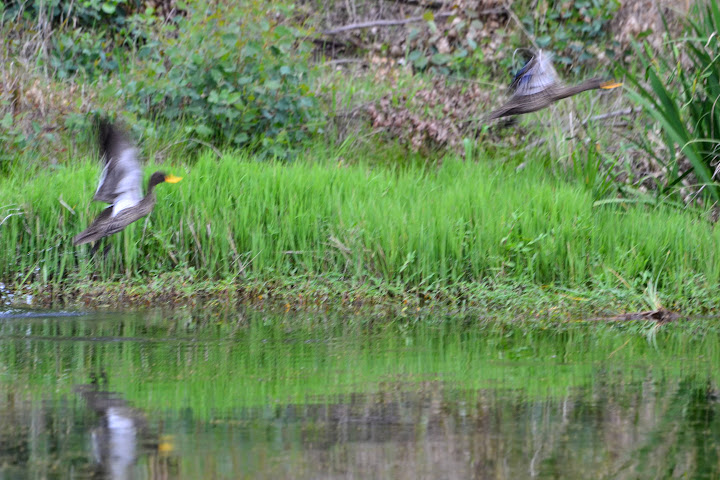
x=172 y=179
x=609 y=85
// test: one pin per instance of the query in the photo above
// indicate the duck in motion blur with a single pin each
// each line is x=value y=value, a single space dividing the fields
x=120 y=185
x=536 y=86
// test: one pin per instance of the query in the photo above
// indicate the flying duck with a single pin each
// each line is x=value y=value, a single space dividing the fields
x=536 y=86
x=120 y=185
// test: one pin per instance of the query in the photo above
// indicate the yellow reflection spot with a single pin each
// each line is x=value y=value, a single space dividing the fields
x=166 y=445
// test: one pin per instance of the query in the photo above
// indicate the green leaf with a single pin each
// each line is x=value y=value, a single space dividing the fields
x=108 y=8
x=7 y=121
x=543 y=41
x=414 y=55
x=421 y=62
x=441 y=58
x=203 y=130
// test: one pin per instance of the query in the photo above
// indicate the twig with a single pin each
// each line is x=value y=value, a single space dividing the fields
x=405 y=21
x=333 y=43
x=422 y=3
x=521 y=26
x=617 y=113
x=343 y=61
x=382 y=23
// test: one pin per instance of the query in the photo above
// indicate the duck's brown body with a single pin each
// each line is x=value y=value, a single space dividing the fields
x=105 y=224
x=518 y=105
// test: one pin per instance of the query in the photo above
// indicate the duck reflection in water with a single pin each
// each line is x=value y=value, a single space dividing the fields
x=120 y=435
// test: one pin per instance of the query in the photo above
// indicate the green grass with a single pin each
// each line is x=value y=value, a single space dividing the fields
x=413 y=227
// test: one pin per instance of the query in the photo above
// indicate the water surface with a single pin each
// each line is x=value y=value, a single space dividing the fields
x=255 y=395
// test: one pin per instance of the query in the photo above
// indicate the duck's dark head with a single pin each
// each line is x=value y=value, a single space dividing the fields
x=160 y=177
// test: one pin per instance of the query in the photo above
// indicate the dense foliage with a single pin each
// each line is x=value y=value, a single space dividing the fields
x=237 y=80
x=237 y=76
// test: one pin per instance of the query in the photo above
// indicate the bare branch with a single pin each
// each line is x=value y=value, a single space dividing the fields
x=382 y=23
x=617 y=113
x=423 y=3
x=405 y=21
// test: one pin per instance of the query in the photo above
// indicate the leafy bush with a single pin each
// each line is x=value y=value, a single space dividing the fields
x=235 y=78
x=452 y=44
x=680 y=90
x=80 y=35
x=86 y=36
x=82 y=13
x=574 y=31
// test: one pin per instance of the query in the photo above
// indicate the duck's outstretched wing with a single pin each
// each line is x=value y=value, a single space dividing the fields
x=121 y=179
x=537 y=76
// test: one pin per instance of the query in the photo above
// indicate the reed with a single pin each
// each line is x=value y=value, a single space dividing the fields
x=410 y=226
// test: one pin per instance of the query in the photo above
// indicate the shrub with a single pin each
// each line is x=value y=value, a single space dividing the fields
x=233 y=76
x=78 y=36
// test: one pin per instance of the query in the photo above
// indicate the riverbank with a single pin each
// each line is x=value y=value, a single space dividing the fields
x=464 y=234
x=523 y=302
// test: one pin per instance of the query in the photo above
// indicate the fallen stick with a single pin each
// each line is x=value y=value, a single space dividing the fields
x=404 y=21
x=616 y=113
x=382 y=23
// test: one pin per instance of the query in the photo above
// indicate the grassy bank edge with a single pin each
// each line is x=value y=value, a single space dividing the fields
x=490 y=301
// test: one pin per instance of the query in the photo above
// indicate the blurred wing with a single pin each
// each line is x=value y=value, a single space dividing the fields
x=121 y=180
x=535 y=77
x=520 y=75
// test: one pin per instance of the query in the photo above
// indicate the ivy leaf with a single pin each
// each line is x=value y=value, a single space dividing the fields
x=543 y=41
x=421 y=62
x=108 y=8
x=441 y=58
x=414 y=55
x=7 y=121
x=203 y=130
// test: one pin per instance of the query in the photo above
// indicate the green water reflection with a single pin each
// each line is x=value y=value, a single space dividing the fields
x=253 y=395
